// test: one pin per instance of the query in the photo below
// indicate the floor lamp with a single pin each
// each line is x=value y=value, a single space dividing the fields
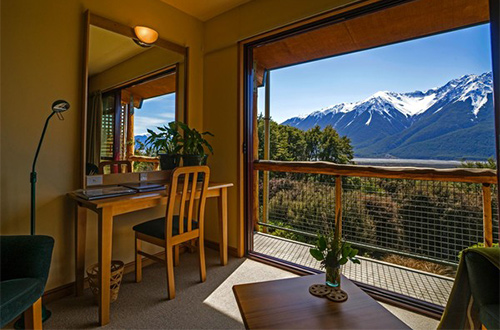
x=58 y=107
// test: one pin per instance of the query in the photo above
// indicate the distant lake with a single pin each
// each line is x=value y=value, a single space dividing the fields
x=434 y=163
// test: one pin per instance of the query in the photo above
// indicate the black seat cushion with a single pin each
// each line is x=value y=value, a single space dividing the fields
x=17 y=295
x=156 y=228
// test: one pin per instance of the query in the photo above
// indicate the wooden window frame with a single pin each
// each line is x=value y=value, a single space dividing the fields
x=246 y=132
x=117 y=90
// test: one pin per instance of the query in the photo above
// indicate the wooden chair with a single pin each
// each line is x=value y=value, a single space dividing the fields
x=120 y=163
x=170 y=231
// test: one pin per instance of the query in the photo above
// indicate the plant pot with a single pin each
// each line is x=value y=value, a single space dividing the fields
x=169 y=162
x=333 y=276
x=194 y=160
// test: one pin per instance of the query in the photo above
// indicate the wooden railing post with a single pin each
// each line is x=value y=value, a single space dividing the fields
x=338 y=201
x=487 y=216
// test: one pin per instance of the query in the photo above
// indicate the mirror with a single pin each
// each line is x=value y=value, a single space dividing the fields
x=128 y=89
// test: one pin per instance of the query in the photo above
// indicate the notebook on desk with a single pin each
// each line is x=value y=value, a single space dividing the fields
x=97 y=193
x=144 y=186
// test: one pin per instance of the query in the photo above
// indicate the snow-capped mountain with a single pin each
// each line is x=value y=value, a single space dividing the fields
x=387 y=123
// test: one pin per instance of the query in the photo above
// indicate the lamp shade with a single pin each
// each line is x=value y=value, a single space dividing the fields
x=146 y=35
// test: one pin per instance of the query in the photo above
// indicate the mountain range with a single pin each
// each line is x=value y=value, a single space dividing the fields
x=454 y=121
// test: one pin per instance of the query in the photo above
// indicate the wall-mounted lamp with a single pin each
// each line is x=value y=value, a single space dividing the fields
x=146 y=37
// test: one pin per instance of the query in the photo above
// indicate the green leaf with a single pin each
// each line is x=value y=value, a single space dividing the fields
x=322 y=243
x=355 y=260
x=331 y=258
x=353 y=253
x=345 y=251
x=343 y=261
x=316 y=254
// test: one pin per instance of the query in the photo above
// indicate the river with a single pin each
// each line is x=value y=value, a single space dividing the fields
x=434 y=163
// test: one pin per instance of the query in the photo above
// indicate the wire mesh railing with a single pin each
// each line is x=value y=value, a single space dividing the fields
x=425 y=219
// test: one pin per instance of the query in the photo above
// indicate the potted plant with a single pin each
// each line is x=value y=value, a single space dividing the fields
x=166 y=145
x=332 y=251
x=193 y=146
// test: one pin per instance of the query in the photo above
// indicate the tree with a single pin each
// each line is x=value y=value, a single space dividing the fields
x=289 y=143
x=490 y=163
x=328 y=145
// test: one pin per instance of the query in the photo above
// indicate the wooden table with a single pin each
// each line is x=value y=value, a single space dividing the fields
x=107 y=209
x=287 y=304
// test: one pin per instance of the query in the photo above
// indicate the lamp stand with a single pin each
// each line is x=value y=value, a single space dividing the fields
x=33 y=178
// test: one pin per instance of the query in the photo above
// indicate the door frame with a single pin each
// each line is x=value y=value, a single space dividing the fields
x=246 y=129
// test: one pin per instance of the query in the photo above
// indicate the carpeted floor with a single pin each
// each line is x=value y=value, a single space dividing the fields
x=209 y=305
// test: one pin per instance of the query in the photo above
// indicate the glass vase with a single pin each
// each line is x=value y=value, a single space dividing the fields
x=333 y=276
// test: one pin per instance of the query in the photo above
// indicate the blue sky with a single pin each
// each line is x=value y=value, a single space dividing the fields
x=157 y=111
x=419 y=64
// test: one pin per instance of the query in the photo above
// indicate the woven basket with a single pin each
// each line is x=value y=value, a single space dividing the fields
x=117 y=267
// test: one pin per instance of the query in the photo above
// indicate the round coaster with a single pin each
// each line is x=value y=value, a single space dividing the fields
x=319 y=290
x=337 y=295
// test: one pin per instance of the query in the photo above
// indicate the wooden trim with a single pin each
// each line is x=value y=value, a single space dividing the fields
x=165 y=71
x=104 y=23
x=313 y=19
x=117 y=178
x=84 y=96
x=176 y=114
x=487 y=216
x=241 y=222
x=232 y=251
x=186 y=87
x=255 y=146
x=401 y=301
x=495 y=56
x=248 y=145
x=469 y=175
x=127 y=31
x=282 y=264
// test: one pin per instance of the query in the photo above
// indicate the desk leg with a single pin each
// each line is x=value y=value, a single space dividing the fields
x=105 y=235
x=223 y=226
x=80 y=237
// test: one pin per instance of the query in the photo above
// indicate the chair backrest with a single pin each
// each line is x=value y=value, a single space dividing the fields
x=119 y=163
x=188 y=185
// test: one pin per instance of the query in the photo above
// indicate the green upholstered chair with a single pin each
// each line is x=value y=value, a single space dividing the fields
x=484 y=279
x=474 y=297
x=25 y=263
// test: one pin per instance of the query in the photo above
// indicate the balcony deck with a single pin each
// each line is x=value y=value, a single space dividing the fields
x=413 y=283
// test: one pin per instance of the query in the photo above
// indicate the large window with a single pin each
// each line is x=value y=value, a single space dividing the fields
x=401 y=86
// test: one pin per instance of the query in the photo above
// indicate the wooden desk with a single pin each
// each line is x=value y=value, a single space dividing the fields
x=287 y=304
x=107 y=209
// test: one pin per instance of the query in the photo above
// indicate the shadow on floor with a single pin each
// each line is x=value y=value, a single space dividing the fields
x=144 y=305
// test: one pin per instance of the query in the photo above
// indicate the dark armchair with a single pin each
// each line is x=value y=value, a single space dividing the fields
x=25 y=263
x=474 y=299
x=484 y=278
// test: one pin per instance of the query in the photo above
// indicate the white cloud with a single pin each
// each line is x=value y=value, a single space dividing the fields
x=141 y=124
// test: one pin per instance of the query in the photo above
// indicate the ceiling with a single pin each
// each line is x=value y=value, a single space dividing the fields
x=205 y=9
x=107 y=49
x=411 y=20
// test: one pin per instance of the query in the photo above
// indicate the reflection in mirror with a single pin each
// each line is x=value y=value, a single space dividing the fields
x=130 y=89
